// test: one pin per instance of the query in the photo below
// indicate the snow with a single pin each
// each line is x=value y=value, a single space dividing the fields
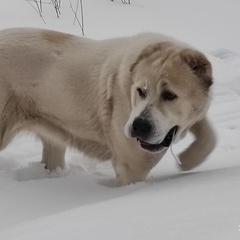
x=81 y=202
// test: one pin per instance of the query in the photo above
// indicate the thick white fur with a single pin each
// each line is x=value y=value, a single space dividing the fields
x=76 y=92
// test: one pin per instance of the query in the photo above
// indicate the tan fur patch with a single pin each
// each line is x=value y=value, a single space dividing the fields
x=55 y=37
x=199 y=64
x=150 y=50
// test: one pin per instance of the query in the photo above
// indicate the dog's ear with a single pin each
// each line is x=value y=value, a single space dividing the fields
x=199 y=64
x=149 y=51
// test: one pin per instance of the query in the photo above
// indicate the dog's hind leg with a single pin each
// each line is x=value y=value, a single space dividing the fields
x=9 y=128
x=202 y=146
x=6 y=134
x=53 y=155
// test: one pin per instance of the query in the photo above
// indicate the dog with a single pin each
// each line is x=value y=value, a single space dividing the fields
x=125 y=99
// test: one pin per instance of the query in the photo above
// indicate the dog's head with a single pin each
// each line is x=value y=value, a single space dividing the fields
x=169 y=93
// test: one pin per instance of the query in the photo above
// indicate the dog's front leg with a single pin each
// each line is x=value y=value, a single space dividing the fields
x=126 y=174
x=53 y=155
x=133 y=167
x=202 y=146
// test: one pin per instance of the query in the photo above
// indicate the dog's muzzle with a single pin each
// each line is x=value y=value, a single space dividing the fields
x=142 y=130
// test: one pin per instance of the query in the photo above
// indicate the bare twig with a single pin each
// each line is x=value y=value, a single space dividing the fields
x=125 y=1
x=37 y=9
x=40 y=5
x=76 y=10
x=82 y=14
x=81 y=24
x=56 y=4
x=37 y=5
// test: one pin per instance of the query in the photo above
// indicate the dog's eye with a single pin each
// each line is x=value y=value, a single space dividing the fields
x=141 y=92
x=168 y=96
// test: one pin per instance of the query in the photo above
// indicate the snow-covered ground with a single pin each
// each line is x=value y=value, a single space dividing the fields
x=81 y=202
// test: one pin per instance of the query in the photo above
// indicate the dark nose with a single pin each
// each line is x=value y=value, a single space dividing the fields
x=141 y=127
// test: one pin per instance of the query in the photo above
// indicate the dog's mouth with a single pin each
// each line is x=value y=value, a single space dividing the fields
x=159 y=146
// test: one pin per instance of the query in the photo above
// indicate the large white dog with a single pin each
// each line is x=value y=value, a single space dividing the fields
x=124 y=100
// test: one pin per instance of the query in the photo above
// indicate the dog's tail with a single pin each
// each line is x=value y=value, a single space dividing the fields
x=202 y=146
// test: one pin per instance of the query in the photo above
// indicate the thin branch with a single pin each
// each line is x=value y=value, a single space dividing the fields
x=82 y=14
x=76 y=17
x=125 y=1
x=40 y=5
x=76 y=12
x=37 y=9
x=56 y=5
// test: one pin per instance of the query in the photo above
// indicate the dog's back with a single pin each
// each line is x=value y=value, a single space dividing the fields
x=46 y=87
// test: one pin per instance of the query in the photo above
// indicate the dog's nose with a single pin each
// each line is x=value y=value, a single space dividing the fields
x=141 y=127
